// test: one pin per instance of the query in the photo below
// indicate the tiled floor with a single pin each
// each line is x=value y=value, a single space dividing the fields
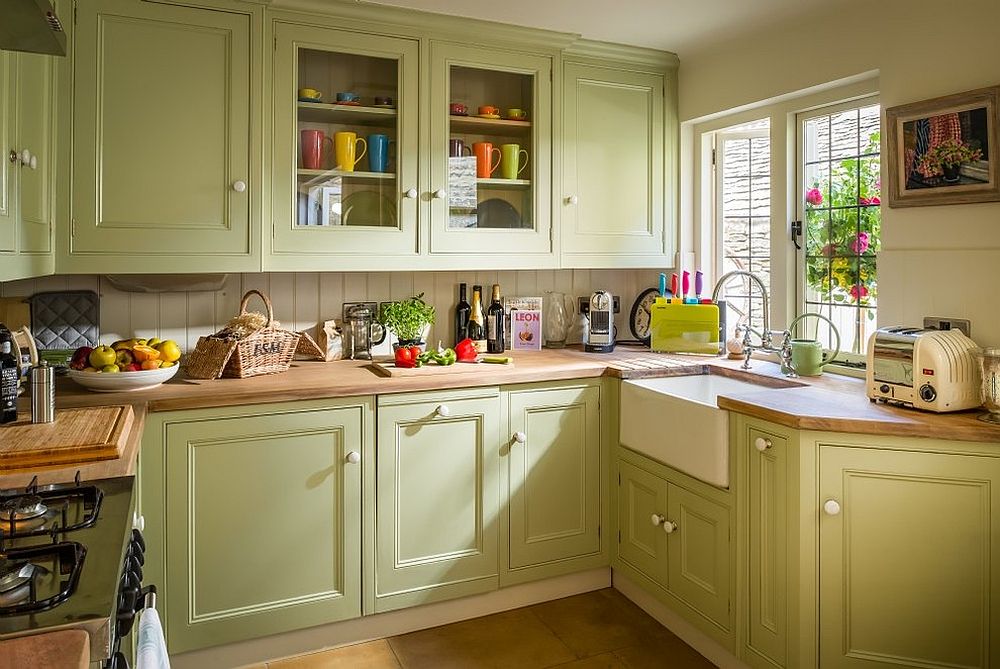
x=596 y=630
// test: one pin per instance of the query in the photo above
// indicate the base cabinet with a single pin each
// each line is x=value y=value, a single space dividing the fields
x=551 y=473
x=437 y=496
x=257 y=514
x=678 y=539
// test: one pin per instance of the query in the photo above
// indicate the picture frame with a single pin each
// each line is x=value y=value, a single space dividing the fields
x=945 y=150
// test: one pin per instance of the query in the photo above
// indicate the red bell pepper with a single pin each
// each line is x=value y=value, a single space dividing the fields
x=406 y=356
x=465 y=351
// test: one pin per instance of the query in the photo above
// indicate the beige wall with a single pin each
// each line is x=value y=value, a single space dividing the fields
x=936 y=260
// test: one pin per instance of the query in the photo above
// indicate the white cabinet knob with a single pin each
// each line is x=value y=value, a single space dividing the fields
x=33 y=163
x=443 y=410
x=410 y=193
x=354 y=457
x=656 y=519
x=762 y=444
x=831 y=507
x=572 y=199
x=239 y=186
x=520 y=437
x=138 y=522
x=669 y=527
x=25 y=156
x=440 y=194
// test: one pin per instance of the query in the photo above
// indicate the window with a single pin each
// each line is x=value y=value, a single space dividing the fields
x=743 y=189
x=839 y=205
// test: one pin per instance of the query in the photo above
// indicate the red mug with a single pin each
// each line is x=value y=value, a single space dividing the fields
x=312 y=148
x=484 y=159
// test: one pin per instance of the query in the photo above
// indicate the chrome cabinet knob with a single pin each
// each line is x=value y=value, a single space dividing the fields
x=762 y=444
x=239 y=186
x=669 y=526
x=656 y=519
x=354 y=457
x=520 y=437
x=443 y=410
x=831 y=507
x=410 y=193
x=440 y=194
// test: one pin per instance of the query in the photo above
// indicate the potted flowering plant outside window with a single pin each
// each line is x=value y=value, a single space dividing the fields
x=946 y=158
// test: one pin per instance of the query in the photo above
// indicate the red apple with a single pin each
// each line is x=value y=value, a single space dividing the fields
x=80 y=356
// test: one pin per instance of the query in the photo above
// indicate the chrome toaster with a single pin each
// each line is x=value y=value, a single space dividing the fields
x=934 y=370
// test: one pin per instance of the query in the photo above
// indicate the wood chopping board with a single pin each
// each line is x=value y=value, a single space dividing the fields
x=86 y=434
x=389 y=369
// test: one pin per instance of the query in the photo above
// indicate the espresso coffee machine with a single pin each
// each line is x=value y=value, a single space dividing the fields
x=601 y=335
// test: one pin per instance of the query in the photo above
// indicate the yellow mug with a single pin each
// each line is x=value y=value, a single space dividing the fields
x=345 y=150
x=510 y=160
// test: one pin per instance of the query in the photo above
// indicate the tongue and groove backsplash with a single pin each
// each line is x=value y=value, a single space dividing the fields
x=302 y=300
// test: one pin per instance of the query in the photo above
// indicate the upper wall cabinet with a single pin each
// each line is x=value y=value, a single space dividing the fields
x=616 y=142
x=490 y=157
x=344 y=168
x=166 y=160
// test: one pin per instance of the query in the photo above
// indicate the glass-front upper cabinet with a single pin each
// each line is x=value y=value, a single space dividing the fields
x=345 y=148
x=490 y=151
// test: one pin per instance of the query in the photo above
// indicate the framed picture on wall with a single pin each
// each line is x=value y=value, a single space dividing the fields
x=945 y=150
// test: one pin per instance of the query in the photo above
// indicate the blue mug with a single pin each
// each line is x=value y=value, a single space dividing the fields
x=347 y=97
x=378 y=153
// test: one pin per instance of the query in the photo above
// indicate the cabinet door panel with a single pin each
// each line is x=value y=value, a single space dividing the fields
x=162 y=131
x=908 y=569
x=36 y=132
x=437 y=501
x=699 y=554
x=8 y=170
x=263 y=525
x=613 y=162
x=554 y=476
x=643 y=544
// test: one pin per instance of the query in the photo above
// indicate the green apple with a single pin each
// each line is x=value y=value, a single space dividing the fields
x=110 y=369
x=102 y=356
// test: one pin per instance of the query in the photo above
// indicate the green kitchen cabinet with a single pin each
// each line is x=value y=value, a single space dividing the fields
x=437 y=497
x=499 y=218
x=674 y=537
x=254 y=516
x=27 y=174
x=552 y=469
x=364 y=217
x=909 y=573
x=166 y=138
x=618 y=143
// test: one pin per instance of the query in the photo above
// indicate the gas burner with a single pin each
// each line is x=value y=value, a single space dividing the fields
x=23 y=507
x=39 y=577
x=14 y=574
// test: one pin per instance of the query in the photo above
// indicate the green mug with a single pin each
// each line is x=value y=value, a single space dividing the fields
x=510 y=160
x=808 y=357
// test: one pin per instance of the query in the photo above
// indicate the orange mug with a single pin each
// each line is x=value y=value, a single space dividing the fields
x=489 y=110
x=484 y=159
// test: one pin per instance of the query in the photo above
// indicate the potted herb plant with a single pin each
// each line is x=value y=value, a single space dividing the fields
x=408 y=319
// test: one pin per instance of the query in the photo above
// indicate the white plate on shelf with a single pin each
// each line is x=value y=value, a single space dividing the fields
x=102 y=382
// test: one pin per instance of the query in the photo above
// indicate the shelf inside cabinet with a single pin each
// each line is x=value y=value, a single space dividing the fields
x=490 y=126
x=510 y=184
x=367 y=176
x=322 y=112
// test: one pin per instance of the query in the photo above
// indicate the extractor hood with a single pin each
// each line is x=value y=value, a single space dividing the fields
x=31 y=25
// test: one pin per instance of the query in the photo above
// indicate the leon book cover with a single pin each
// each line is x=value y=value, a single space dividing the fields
x=526 y=329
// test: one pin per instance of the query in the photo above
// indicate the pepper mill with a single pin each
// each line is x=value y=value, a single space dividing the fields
x=43 y=394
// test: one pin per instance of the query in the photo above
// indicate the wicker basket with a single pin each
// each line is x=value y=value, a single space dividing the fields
x=266 y=351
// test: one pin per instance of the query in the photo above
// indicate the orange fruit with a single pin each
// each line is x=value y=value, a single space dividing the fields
x=150 y=364
x=142 y=353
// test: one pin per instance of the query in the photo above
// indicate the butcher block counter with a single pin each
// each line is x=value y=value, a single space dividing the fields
x=828 y=403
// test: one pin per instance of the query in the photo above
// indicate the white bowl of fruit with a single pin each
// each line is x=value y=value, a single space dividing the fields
x=127 y=364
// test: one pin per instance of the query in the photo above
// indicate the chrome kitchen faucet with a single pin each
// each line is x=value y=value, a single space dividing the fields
x=767 y=336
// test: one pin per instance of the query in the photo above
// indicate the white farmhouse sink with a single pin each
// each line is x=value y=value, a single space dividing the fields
x=676 y=420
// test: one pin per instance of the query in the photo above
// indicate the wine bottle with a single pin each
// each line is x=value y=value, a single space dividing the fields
x=8 y=380
x=462 y=312
x=477 y=320
x=495 y=339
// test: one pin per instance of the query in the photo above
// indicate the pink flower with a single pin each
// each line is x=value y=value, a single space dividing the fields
x=858 y=292
x=860 y=243
x=814 y=197
x=828 y=250
x=867 y=201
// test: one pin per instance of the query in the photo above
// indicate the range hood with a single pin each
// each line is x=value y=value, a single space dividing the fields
x=31 y=25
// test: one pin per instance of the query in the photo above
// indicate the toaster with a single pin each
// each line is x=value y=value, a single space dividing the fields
x=934 y=370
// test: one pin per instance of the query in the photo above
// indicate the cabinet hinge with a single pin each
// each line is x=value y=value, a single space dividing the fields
x=74 y=13
x=598 y=531
x=619 y=536
x=713 y=157
x=275 y=43
x=619 y=478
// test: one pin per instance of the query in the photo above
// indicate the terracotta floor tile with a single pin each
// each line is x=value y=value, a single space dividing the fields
x=598 y=622
x=602 y=661
x=371 y=655
x=663 y=653
x=510 y=639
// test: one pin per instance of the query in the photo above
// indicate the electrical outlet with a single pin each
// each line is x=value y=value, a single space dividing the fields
x=585 y=304
x=938 y=323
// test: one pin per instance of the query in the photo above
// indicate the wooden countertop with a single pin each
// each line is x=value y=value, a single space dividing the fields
x=64 y=649
x=829 y=403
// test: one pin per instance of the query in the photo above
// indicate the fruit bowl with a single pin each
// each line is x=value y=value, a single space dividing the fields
x=103 y=382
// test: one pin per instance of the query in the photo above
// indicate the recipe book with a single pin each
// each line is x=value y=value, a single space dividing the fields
x=525 y=317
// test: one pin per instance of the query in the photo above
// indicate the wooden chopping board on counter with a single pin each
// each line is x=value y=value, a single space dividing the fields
x=85 y=434
x=389 y=369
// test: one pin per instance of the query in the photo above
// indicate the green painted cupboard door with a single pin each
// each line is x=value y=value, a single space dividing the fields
x=698 y=553
x=365 y=217
x=612 y=198
x=263 y=524
x=553 y=483
x=162 y=167
x=642 y=508
x=437 y=500
x=766 y=596
x=909 y=573
x=8 y=169
x=36 y=132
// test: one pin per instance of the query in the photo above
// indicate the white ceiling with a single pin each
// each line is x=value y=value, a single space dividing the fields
x=672 y=25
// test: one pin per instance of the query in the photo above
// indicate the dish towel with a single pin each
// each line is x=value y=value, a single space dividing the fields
x=152 y=648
